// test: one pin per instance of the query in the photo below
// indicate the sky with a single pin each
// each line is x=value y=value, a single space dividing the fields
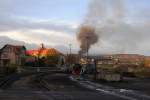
x=56 y=24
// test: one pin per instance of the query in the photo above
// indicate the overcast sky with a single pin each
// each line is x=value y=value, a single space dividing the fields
x=55 y=23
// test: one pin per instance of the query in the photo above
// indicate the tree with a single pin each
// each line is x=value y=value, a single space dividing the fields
x=52 y=61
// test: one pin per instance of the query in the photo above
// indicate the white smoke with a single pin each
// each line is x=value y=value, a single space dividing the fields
x=116 y=34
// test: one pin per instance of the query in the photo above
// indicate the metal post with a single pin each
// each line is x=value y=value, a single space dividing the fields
x=87 y=47
x=70 y=48
x=95 y=75
x=70 y=57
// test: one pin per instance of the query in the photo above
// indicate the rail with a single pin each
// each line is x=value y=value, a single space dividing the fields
x=39 y=79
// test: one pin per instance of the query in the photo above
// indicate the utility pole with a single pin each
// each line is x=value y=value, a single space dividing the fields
x=70 y=48
x=70 y=56
x=38 y=58
x=87 y=47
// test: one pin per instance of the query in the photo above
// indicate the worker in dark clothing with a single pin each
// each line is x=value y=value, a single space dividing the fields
x=95 y=70
x=76 y=71
x=83 y=71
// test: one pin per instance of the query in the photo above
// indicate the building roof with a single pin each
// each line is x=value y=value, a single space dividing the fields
x=43 y=52
x=17 y=48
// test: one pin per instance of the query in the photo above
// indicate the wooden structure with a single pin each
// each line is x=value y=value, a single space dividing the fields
x=106 y=69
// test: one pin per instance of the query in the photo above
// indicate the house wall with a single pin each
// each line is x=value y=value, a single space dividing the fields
x=12 y=58
x=147 y=62
x=10 y=54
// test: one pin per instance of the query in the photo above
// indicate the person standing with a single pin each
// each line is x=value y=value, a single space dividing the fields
x=83 y=71
x=76 y=71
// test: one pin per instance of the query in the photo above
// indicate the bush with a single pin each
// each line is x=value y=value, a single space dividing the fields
x=11 y=69
x=52 y=60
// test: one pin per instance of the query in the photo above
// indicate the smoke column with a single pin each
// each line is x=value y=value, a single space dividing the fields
x=107 y=21
x=87 y=37
x=97 y=13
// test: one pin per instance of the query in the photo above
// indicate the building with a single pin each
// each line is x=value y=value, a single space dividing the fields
x=134 y=59
x=72 y=58
x=44 y=57
x=147 y=61
x=122 y=62
x=12 y=55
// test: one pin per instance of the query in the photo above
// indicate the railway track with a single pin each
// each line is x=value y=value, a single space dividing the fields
x=7 y=81
x=44 y=89
x=36 y=76
x=41 y=82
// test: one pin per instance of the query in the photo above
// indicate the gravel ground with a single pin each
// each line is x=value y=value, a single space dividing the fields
x=25 y=84
x=141 y=85
x=61 y=82
x=53 y=95
x=61 y=88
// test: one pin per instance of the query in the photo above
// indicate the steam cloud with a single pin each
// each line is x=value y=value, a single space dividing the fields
x=114 y=32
